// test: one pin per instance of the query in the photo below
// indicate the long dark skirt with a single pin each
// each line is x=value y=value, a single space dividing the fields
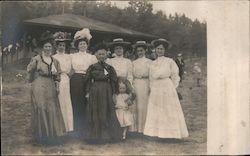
x=77 y=84
x=47 y=120
x=102 y=123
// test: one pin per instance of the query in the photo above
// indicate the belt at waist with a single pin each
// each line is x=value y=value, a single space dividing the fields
x=79 y=74
x=44 y=75
x=141 y=77
x=100 y=80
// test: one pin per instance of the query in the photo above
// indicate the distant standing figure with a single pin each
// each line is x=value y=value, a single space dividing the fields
x=197 y=73
x=62 y=40
x=141 y=83
x=180 y=63
x=165 y=118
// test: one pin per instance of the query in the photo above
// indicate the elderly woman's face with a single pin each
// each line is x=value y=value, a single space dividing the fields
x=160 y=50
x=61 y=46
x=82 y=45
x=118 y=50
x=101 y=55
x=47 y=49
x=140 y=52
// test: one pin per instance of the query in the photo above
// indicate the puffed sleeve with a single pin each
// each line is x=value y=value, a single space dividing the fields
x=32 y=65
x=31 y=68
x=94 y=59
x=174 y=73
x=130 y=72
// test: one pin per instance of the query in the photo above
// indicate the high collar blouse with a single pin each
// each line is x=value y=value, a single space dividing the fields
x=81 y=61
x=64 y=61
x=163 y=68
x=141 y=67
x=123 y=67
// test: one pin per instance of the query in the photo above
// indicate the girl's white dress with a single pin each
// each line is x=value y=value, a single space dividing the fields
x=141 y=87
x=64 y=90
x=124 y=116
x=165 y=118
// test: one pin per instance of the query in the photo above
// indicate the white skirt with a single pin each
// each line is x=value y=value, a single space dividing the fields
x=141 y=87
x=65 y=102
x=165 y=118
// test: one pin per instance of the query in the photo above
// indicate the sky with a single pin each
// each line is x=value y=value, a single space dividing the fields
x=192 y=9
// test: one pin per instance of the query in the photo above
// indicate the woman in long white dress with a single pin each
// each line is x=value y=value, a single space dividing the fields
x=123 y=68
x=141 y=83
x=165 y=118
x=64 y=85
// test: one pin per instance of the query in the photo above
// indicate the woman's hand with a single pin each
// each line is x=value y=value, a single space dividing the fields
x=128 y=101
x=87 y=95
x=114 y=98
x=57 y=88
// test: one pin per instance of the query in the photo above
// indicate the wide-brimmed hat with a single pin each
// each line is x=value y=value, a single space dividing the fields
x=62 y=36
x=140 y=44
x=162 y=41
x=118 y=42
x=179 y=55
x=47 y=36
x=81 y=34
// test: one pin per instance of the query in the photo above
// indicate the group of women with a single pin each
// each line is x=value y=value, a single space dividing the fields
x=81 y=94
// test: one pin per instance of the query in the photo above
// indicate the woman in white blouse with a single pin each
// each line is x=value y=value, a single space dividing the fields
x=80 y=63
x=122 y=66
x=141 y=82
x=165 y=118
x=62 y=40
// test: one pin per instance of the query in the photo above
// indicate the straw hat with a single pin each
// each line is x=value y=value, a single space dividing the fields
x=179 y=55
x=118 y=42
x=162 y=41
x=140 y=44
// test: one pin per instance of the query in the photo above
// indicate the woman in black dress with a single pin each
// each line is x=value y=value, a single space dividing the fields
x=102 y=123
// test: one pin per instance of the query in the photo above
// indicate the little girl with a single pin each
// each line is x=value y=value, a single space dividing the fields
x=197 y=73
x=123 y=101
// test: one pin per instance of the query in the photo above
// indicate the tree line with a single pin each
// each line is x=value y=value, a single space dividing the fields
x=185 y=34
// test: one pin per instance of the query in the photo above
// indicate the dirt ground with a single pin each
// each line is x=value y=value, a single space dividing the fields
x=15 y=123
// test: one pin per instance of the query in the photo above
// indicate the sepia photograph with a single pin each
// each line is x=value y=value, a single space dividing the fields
x=104 y=77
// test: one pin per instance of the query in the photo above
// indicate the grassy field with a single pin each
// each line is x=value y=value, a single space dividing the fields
x=15 y=122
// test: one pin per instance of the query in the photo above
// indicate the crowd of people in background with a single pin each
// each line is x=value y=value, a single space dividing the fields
x=102 y=95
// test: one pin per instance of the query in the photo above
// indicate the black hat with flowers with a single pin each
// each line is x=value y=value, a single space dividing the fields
x=62 y=36
x=46 y=37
